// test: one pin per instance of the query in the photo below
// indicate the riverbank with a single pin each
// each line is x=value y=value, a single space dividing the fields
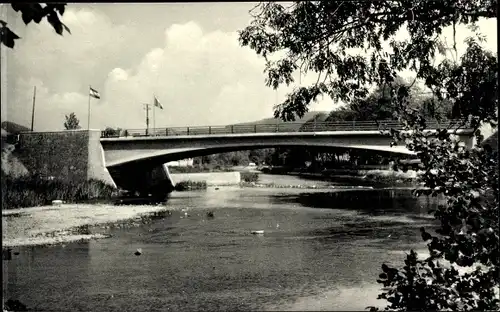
x=371 y=179
x=31 y=191
x=49 y=225
x=210 y=178
x=379 y=178
x=304 y=186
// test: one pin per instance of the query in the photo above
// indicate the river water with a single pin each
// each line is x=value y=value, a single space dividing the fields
x=322 y=250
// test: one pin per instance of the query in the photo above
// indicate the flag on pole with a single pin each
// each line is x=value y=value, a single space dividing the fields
x=157 y=103
x=94 y=93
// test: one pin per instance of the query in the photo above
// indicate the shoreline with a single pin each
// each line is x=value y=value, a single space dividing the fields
x=50 y=225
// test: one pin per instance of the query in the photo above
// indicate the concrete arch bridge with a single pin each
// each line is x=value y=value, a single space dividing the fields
x=138 y=159
x=135 y=159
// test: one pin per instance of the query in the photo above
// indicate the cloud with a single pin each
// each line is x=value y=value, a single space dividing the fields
x=65 y=62
x=200 y=79
x=61 y=67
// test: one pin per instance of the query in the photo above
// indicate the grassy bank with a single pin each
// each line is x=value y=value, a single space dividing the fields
x=197 y=169
x=390 y=179
x=31 y=191
x=377 y=176
x=190 y=185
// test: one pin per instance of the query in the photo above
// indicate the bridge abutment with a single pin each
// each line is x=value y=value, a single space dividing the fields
x=71 y=155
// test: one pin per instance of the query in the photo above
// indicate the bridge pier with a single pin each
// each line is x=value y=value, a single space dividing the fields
x=143 y=179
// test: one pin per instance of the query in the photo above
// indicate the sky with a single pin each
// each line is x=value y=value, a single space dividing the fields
x=185 y=54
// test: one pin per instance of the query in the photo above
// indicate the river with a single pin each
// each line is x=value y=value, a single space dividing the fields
x=322 y=250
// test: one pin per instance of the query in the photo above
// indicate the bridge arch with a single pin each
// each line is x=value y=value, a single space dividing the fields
x=158 y=157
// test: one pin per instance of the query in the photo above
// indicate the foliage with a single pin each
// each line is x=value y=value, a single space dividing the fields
x=190 y=185
x=249 y=176
x=342 y=114
x=197 y=169
x=34 y=12
x=238 y=158
x=318 y=36
x=71 y=123
x=32 y=190
x=323 y=37
x=109 y=132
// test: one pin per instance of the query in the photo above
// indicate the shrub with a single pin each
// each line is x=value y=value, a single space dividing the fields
x=190 y=185
x=249 y=176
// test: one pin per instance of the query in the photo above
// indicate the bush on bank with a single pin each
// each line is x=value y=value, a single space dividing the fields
x=30 y=191
x=190 y=185
x=198 y=169
x=249 y=176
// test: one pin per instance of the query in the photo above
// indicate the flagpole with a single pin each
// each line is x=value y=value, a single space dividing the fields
x=154 y=116
x=33 y=110
x=88 y=124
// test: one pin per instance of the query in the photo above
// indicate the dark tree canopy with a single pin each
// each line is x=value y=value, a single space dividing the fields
x=316 y=35
x=34 y=12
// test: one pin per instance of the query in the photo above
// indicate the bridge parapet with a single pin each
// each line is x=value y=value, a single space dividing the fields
x=276 y=128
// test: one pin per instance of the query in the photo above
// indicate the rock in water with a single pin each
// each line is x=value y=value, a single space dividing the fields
x=260 y=232
x=138 y=252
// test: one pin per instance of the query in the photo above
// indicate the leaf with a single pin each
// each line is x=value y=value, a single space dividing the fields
x=32 y=12
x=17 y=6
x=53 y=19
x=27 y=16
x=60 y=7
x=66 y=28
x=8 y=37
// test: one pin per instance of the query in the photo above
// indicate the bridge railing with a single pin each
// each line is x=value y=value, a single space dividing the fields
x=277 y=127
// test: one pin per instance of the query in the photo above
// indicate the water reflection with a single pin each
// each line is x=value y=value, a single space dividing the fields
x=372 y=202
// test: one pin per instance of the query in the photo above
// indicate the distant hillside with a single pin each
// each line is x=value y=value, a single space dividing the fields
x=306 y=117
x=13 y=128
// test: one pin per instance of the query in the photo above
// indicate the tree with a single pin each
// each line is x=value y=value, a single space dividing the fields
x=342 y=114
x=316 y=37
x=109 y=131
x=71 y=122
x=321 y=37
